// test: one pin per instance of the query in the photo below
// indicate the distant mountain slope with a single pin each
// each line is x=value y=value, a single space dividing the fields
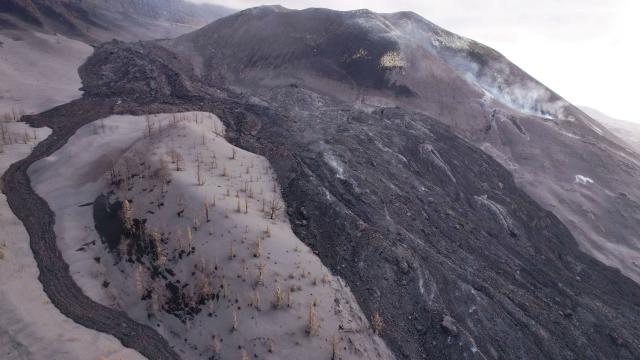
x=39 y=71
x=563 y=158
x=101 y=20
x=628 y=131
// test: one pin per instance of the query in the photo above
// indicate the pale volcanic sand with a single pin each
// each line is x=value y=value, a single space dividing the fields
x=39 y=71
x=76 y=175
x=30 y=326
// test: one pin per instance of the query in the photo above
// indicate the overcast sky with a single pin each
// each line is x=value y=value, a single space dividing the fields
x=586 y=50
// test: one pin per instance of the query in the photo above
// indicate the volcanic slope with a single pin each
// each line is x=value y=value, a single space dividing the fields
x=628 y=131
x=95 y=21
x=428 y=231
x=561 y=157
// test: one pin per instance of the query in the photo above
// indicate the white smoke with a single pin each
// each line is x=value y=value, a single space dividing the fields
x=526 y=96
x=500 y=79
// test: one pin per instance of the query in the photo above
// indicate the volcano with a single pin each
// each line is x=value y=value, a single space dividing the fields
x=401 y=59
x=401 y=150
x=471 y=212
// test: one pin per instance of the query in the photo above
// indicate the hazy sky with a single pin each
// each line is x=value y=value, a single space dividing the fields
x=586 y=50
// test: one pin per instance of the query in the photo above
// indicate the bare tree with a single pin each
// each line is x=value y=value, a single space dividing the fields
x=312 y=321
x=26 y=138
x=256 y=299
x=123 y=247
x=199 y=177
x=278 y=297
x=234 y=324
x=189 y=243
x=261 y=270
x=164 y=175
x=4 y=134
x=174 y=121
x=180 y=204
x=126 y=215
x=2 y=246
x=335 y=346
x=179 y=159
x=16 y=114
x=216 y=347
x=196 y=223
x=275 y=206
x=138 y=279
x=172 y=154
x=377 y=324
x=232 y=252
x=155 y=305
x=258 y=248
x=150 y=125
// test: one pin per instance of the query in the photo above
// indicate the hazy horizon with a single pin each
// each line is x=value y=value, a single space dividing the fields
x=583 y=50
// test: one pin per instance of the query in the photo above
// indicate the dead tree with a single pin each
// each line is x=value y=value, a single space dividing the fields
x=275 y=206
x=258 y=248
x=312 y=321
x=164 y=175
x=150 y=125
x=199 y=177
x=4 y=134
x=179 y=160
x=126 y=215
x=278 y=296
x=377 y=323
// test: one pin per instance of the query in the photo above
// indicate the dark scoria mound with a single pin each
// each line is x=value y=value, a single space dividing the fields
x=138 y=245
x=321 y=42
x=427 y=230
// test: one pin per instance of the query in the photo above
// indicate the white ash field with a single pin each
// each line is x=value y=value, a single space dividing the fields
x=30 y=326
x=215 y=215
x=39 y=71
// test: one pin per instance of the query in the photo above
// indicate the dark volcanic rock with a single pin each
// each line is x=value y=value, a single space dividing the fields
x=375 y=60
x=428 y=231
x=448 y=325
x=481 y=250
